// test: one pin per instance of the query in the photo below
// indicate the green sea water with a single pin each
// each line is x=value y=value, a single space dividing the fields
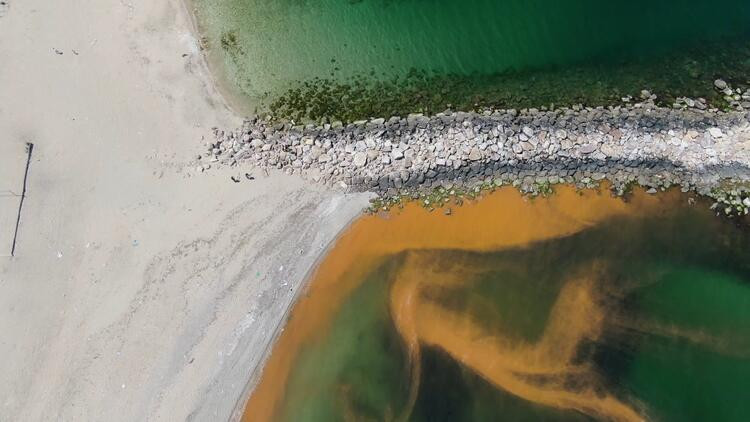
x=351 y=58
x=674 y=292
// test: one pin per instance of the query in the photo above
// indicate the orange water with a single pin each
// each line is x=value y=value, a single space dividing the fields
x=503 y=219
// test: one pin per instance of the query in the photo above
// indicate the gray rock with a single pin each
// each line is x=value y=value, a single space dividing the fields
x=598 y=155
x=658 y=146
x=475 y=154
x=587 y=148
x=360 y=159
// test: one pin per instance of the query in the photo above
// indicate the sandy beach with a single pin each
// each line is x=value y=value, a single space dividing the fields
x=139 y=290
x=153 y=241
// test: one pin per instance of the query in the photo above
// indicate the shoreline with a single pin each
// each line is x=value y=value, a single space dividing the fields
x=256 y=373
x=216 y=74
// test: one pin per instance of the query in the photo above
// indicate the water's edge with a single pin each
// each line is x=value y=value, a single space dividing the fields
x=255 y=373
x=216 y=75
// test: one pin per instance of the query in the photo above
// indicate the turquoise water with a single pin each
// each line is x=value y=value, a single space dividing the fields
x=431 y=53
x=672 y=303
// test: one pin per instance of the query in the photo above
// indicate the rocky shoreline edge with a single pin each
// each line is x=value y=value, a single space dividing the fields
x=638 y=143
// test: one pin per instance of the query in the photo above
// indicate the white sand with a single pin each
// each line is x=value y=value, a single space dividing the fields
x=139 y=290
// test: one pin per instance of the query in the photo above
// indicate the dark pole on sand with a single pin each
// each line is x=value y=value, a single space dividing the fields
x=29 y=149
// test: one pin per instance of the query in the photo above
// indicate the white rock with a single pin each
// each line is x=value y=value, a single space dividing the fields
x=715 y=132
x=475 y=154
x=360 y=159
x=588 y=148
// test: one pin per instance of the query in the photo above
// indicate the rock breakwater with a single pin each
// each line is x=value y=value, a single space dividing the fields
x=700 y=149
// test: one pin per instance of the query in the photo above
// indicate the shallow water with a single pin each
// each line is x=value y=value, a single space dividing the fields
x=575 y=307
x=471 y=51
